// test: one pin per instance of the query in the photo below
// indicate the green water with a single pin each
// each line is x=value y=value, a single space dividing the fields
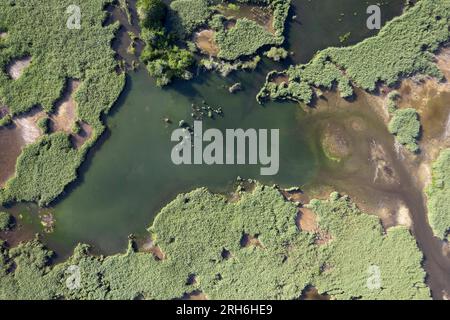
x=132 y=175
x=129 y=176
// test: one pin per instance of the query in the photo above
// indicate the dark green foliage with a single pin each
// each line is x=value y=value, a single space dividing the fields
x=152 y=13
x=438 y=193
x=164 y=59
x=402 y=48
x=38 y=29
x=194 y=230
x=187 y=15
x=405 y=126
x=243 y=39
x=5 y=121
x=43 y=124
x=6 y=221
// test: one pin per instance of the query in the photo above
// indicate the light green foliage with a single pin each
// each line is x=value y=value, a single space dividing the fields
x=6 y=221
x=358 y=245
x=152 y=13
x=243 y=39
x=5 y=121
x=194 y=230
x=58 y=53
x=187 y=15
x=392 y=98
x=402 y=48
x=43 y=124
x=43 y=170
x=438 y=193
x=276 y=54
x=405 y=126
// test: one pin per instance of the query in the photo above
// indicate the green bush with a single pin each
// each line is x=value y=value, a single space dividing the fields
x=405 y=126
x=152 y=13
x=276 y=54
x=244 y=39
x=187 y=15
x=43 y=124
x=5 y=121
x=6 y=221
x=438 y=192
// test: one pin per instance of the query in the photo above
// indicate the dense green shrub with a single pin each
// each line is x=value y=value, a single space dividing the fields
x=187 y=15
x=6 y=221
x=243 y=39
x=438 y=193
x=194 y=231
x=402 y=48
x=276 y=54
x=152 y=13
x=405 y=126
x=43 y=124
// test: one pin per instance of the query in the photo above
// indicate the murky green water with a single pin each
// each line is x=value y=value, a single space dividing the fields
x=130 y=176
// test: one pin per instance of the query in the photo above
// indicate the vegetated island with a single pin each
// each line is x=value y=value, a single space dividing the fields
x=50 y=71
x=225 y=36
x=259 y=246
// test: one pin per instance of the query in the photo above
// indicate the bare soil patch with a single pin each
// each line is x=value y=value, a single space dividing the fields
x=17 y=66
x=204 y=40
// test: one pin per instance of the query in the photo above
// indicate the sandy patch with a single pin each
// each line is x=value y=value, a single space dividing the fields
x=306 y=220
x=64 y=115
x=150 y=247
x=17 y=66
x=251 y=241
x=27 y=125
x=3 y=35
x=195 y=295
x=204 y=40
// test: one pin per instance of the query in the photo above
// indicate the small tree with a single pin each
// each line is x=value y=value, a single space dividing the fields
x=152 y=13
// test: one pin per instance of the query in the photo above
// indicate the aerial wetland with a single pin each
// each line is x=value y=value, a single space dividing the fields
x=128 y=192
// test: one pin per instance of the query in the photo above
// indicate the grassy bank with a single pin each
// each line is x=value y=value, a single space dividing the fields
x=402 y=48
x=437 y=193
x=201 y=236
x=37 y=29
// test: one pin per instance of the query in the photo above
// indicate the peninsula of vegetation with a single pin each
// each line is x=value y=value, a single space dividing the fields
x=36 y=32
x=249 y=249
